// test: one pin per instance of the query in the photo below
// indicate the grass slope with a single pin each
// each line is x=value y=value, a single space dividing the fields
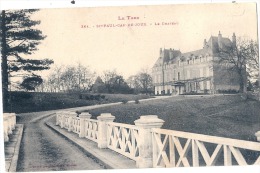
x=226 y=116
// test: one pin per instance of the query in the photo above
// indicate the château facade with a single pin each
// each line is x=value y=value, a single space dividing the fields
x=197 y=71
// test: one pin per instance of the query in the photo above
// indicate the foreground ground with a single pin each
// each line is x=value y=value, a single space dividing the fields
x=226 y=116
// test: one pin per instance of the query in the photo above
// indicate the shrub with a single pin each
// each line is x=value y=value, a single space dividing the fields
x=137 y=101
x=87 y=97
x=22 y=95
x=97 y=97
x=230 y=91
x=78 y=113
x=91 y=97
x=206 y=91
x=80 y=96
x=124 y=101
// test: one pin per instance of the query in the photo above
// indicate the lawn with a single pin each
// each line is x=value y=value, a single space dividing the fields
x=226 y=116
x=22 y=102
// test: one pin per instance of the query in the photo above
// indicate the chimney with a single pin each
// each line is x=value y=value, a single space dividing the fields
x=234 y=40
x=204 y=44
x=219 y=41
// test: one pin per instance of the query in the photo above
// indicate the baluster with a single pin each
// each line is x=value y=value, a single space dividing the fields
x=195 y=153
x=172 y=151
x=227 y=156
x=155 y=149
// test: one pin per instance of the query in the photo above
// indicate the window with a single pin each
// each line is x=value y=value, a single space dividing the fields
x=178 y=75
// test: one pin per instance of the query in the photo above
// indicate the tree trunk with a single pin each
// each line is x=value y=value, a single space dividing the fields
x=4 y=62
x=242 y=81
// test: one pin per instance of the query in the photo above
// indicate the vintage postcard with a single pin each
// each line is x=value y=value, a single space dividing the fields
x=129 y=87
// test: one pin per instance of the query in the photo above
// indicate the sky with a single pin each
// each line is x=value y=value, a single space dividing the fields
x=73 y=35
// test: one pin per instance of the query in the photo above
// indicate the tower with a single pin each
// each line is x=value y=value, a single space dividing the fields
x=204 y=43
x=219 y=41
x=234 y=40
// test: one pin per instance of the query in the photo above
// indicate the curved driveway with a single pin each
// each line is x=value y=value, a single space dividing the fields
x=44 y=150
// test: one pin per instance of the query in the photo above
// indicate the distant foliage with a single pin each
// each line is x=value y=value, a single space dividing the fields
x=72 y=78
x=141 y=82
x=112 y=83
x=42 y=101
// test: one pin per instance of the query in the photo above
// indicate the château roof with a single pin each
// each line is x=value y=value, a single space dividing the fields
x=167 y=56
x=211 y=48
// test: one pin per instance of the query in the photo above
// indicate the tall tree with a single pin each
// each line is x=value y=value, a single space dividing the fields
x=236 y=58
x=115 y=83
x=253 y=61
x=19 y=38
x=84 y=76
x=99 y=86
x=141 y=82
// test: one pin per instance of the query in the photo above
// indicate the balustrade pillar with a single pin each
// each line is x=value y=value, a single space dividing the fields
x=70 y=120
x=12 y=119
x=6 y=138
x=102 y=128
x=83 y=116
x=10 y=123
x=58 y=118
x=146 y=123
x=62 y=123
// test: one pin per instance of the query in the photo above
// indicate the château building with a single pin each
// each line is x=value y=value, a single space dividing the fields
x=198 y=71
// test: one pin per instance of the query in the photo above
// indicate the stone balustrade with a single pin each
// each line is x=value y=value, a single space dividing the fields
x=9 y=124
x=150 y=146
x=177 y=149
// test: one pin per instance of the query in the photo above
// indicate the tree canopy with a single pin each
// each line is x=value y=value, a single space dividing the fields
x=68 y=79
x=141 y=82
x=30 y=83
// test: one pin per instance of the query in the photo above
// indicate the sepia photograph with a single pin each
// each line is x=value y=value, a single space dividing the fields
x=130 y=87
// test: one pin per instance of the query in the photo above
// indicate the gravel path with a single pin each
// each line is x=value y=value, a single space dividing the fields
x=44 y=150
